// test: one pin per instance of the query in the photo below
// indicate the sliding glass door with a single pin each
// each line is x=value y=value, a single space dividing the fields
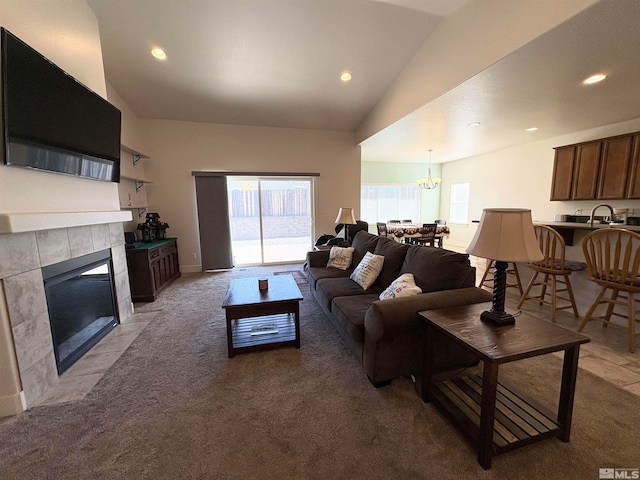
x=271 y=219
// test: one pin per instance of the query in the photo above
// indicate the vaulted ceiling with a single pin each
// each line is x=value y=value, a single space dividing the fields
x=261 y=62
x=278 y=63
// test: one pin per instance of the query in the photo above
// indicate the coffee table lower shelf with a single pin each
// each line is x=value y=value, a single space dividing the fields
x=517 y=421
x=244 y=341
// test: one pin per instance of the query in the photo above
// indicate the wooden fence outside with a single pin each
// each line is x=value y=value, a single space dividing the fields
x=275 y=203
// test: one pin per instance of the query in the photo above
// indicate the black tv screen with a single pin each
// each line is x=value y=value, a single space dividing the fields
x=53 y=122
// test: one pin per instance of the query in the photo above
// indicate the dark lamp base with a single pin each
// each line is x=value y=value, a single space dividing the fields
x=497 y=318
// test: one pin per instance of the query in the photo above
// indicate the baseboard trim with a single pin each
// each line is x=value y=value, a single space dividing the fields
x=190 y=268
x=13 y=405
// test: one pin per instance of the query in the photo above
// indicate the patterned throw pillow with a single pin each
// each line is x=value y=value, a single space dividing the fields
x=368 y=270
x=340 y=257
x=403 y=286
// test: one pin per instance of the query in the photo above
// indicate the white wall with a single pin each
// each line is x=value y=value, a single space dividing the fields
x=520 y=177
x=177 y=148
x=66 y=33
x=131 y=132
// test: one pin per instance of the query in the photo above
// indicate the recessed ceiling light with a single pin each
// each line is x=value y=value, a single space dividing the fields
x=159 y=53
x=594 y=79
x=473 y=124
x=345 y=76
x=532 y=129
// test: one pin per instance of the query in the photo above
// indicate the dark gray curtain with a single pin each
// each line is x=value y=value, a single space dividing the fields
x=213 y=218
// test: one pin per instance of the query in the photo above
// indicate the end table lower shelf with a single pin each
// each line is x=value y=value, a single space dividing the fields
x=517 y=421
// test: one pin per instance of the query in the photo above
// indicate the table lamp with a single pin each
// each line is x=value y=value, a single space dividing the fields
x=345 y=216
x=504 y=235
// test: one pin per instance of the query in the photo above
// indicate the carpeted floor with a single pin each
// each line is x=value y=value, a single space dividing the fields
x=175 y=407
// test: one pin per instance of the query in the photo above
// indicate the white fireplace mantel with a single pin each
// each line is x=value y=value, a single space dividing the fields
x=33 y=222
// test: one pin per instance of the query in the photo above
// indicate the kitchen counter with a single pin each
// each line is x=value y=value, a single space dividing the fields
x=585 y=226
x=567 y=229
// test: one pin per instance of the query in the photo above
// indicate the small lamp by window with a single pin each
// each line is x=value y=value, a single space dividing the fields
x=504 y=235
x=345 y=216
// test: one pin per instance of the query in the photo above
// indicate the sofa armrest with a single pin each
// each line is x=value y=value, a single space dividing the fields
x=393 y=337
x=317 y=258
x=387 y=317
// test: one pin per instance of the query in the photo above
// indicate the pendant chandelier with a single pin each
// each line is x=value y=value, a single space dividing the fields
x=429 y=183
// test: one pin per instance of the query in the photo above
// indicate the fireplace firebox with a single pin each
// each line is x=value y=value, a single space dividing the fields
x=81 y=303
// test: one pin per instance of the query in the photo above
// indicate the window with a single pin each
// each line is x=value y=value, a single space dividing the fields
x=459 y=210
x=379 y=203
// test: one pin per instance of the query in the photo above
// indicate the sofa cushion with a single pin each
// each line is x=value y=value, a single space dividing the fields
x=316 y=273
x=393 y=253
x=349 y=312
x=340 y=257
x=403 y=286
x=367 y=271
x=436 y=269
x=362 y=243
x=329 y=288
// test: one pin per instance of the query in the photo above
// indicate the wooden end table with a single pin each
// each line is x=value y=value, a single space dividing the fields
x=261 y=319
x=491 y=415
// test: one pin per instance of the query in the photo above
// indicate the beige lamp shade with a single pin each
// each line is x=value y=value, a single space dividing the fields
x=345 y=216
x=506 y=234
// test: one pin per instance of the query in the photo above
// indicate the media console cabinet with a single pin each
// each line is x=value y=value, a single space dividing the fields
x=152 y=267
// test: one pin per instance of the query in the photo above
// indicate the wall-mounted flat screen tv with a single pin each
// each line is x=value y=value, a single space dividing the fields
x=51 y=121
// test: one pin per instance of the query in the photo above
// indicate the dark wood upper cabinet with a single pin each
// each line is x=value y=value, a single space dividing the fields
x=603 y=169
x=614 y=167
x=633 y=190
x=585 y=172
x=563 y=173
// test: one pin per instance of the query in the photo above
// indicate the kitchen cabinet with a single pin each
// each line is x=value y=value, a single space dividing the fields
x=563 y=173
x=152 y=267
x=614 y=167
x=585 y=175
x=633 y=190
x=602 y=169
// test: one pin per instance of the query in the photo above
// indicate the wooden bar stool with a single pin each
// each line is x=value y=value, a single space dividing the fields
x=613 y=261
x=512 y=272
x=554 y=270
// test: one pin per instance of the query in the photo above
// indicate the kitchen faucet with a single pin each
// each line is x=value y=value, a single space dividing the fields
x=595 y=208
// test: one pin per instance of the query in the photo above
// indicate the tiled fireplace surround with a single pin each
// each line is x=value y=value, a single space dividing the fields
x=21 y=257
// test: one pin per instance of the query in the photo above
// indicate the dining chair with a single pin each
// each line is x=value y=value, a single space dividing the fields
x=407 y=221
x=552 y=270
x=513 y=276
x=393 y=221
x=613 y=262
x=427 y=235
x=440 y=223
x=382 y=229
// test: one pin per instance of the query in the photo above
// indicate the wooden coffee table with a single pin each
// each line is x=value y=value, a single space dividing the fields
x=262 y=319
x=493 y=416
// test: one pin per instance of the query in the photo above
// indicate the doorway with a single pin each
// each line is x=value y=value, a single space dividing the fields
x=271 y=219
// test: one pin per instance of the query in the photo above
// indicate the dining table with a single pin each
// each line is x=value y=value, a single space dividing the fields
x=404 y=231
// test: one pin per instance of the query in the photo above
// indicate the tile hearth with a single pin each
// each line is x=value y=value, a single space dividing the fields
x=77 y=382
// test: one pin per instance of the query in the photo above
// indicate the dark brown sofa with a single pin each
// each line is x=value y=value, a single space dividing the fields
x=386 y=335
